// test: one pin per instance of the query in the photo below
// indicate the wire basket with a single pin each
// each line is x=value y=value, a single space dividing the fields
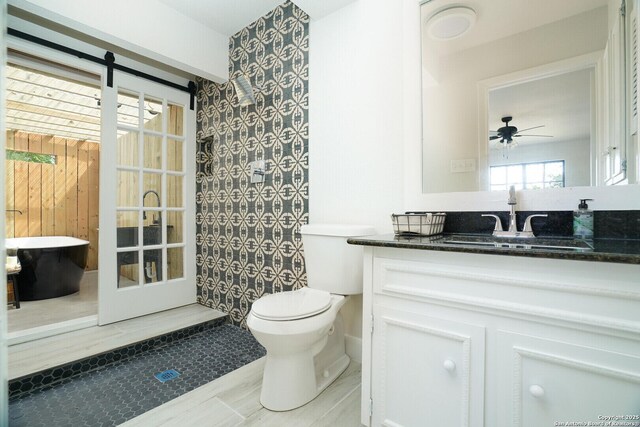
x=418 y=223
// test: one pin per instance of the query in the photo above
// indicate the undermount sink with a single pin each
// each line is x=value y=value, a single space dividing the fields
x=536 y=243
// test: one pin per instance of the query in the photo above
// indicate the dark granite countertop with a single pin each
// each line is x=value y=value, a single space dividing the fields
x=601 y=250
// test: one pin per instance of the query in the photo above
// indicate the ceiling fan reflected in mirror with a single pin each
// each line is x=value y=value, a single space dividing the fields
x=506 y=133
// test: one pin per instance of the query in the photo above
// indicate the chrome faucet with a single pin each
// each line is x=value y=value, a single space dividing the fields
x=527 y=231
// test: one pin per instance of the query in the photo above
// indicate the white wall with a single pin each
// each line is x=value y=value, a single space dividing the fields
x=139 y=63
x=355 y=119
x=145 y=27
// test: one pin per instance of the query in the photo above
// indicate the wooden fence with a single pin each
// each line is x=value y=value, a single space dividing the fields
x=55 y=200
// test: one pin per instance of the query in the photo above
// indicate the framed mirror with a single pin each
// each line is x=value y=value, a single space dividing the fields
x=532 y=94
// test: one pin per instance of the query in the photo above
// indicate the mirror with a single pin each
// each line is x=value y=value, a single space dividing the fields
x=533 y=94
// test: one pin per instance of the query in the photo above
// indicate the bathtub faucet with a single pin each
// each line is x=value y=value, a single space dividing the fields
x=14 y=210
x=144 y=213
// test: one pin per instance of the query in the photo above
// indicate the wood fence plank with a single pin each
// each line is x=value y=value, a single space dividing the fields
x=93 y=170
x=72 y=188
x=21 y=171
x=83 y=189
x=35 y=188
x=60 y=186
x=9 y=188
x=48 y=189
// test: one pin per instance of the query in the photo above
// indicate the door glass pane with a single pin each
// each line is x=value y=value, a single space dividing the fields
x=152 y=229
x=175 y=123
x=127 y=229
x=153 y=265
x=127 y=269
x=128 y=110
x=152 y=151
x=176 y=262
x=174 y=191
x=152 y=114
x=152 y=189
x=174 y=155
x=174 y=227
x=127 y=189
x=127 y=154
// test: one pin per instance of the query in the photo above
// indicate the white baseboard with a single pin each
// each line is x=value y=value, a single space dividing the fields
x=353 y=347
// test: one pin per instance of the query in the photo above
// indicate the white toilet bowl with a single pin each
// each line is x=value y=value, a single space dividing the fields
x=303 y=334
x=303 y=330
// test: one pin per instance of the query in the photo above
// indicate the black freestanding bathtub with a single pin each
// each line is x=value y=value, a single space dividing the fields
x=52 y=266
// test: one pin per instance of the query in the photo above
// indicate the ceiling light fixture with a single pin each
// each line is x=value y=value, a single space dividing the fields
x=451 y=23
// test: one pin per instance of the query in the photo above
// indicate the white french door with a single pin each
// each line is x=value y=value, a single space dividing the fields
x=147 y=199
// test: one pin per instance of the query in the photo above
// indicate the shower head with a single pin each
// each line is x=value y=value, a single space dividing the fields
x=244 y=92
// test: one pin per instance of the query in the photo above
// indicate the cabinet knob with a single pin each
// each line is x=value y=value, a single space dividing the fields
x=449 y=365
x=536 y=391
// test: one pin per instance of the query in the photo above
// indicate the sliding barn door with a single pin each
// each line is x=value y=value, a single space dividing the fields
x=147 y=199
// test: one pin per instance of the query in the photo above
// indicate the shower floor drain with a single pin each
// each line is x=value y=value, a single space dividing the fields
x=169 y=375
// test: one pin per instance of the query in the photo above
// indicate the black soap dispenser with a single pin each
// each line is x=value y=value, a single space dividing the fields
x=583 y=221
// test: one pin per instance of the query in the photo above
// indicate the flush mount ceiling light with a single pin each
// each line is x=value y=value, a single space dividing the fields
x=451 y=23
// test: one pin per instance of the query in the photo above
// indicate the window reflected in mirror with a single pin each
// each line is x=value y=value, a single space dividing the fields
x=527 y=176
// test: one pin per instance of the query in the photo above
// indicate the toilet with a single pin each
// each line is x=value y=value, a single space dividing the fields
x=303 y=330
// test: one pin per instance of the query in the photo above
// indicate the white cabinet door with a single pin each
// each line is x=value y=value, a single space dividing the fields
x=544 y=382
x=426 y=371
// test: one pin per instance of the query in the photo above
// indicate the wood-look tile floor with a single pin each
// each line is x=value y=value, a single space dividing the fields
x=33 y=314
x=234 y=400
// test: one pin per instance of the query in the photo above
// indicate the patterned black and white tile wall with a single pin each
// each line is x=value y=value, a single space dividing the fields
x=248 y=241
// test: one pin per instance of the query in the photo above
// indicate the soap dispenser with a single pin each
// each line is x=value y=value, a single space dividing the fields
x=583 y=221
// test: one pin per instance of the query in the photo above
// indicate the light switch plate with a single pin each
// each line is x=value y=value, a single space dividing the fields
x=463 y=165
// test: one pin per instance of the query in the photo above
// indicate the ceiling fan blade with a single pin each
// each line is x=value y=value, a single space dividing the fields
x=491 y=138
x=537 y=136
x=535 y=127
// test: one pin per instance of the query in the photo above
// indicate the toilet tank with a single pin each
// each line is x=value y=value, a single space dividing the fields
x=332 y=264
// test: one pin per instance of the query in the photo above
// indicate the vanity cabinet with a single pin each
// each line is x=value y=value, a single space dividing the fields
x=460 y=339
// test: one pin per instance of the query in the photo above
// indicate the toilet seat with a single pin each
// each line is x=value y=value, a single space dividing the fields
x=292 y=305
